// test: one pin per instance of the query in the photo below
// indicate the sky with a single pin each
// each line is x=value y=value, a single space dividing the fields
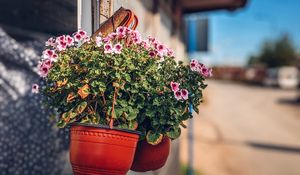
x=234 y=36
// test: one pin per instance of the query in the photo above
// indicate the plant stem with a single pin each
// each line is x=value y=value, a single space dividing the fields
x=113 y=108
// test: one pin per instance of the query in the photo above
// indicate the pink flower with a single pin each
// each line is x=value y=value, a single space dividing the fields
x=62 y=45
x=145 y=44
x=170 y=52
x=47 y=63
x=118 y=48
x=121 y=29
x=174 y=86
x=54 y=57
x=99 y=41
x=50 y=42
x=35 y=88
x=151 y=39
x=152 y=54
x=206 y=72
x=135 y=36
x=48 y=53
x=108 y=48
x=106 y=39
x=43 y=70
x=112 y=35
x=184 y=94
x=86 y=39
x=77 y=37
x=82 y=33
x=69 y=40
x=178 y=95
x=160 y=47
x=194 y=65
x=61 y=38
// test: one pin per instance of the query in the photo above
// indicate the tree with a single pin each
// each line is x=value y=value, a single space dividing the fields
x=275 y=53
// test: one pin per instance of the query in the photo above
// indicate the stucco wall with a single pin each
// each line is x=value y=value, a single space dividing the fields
x=158 y=25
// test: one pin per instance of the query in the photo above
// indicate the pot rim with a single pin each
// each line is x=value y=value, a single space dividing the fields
x=106 y=127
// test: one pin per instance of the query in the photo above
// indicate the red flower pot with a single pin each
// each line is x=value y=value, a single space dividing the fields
x=101 y=151
x=151 y=157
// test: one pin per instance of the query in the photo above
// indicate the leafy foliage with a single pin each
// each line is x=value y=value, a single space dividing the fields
x=123 y=81
x=276 y=53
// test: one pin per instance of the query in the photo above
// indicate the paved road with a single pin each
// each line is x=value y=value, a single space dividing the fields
x=246 y=130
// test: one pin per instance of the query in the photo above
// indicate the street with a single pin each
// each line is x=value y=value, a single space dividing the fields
x=246 y=130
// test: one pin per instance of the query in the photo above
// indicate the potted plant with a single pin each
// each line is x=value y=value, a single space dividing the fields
x=98 y=89
x=110 y=89
x=178 y=87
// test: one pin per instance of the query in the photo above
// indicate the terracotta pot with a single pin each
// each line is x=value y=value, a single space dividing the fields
x=151 y=157
x=98 y=150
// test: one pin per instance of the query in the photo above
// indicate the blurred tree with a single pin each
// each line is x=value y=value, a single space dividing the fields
x=276 y=53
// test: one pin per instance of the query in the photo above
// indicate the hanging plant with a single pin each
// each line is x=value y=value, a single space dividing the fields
x=120 y=81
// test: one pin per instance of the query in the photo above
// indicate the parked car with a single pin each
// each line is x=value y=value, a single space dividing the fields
x=288 y=77
x=271 y=78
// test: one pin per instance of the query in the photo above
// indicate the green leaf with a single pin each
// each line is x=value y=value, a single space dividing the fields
x=132 y=114
x=132 y=125
x=61 y=124
x=81 y=107
x=118 y=112
x=174 y=133
x=154 y=138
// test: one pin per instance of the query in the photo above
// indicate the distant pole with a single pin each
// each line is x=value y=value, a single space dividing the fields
x=190 y=169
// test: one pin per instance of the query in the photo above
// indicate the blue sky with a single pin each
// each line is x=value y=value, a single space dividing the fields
x=236 y=35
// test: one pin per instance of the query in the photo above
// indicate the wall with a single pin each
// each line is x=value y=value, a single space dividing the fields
x=157 y=24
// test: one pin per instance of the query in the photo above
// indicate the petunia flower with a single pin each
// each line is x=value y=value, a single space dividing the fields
x=170 y=52
x=99 y=41
x=77 y=37
x=106 y=39
x=69 y=40
x=174 y=86
x=54 y=57
x=61 y=38
x=194 y=65
x=145 y=44
x=43 y=70
x=178 y=95
x=206 y=72
x=35 y=88
x=151 y=39
x=121 y=31
x=117 y=48
x=50 y=42
x=112 y=35
x=62 y=45
x=184 y=94
x=152 y=54
x=160 y=48
x=48 y=53
x=82 y=33
x=108 y=48
x=86 y=39
x=47 y=63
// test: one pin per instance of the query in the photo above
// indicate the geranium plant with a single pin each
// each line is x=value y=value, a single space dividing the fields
x=121 y=81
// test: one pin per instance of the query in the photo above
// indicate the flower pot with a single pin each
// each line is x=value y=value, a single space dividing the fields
x=98 y=150
x=151 y=157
